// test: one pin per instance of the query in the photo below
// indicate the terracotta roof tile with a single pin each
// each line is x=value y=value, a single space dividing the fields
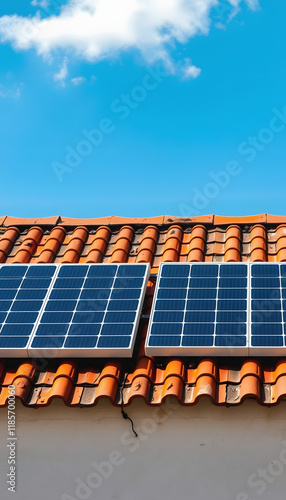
x=154 y=240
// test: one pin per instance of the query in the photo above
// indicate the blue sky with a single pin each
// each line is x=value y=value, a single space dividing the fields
x=141 y=116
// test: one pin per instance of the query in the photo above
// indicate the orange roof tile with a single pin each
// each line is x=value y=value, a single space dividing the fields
x=159 y=239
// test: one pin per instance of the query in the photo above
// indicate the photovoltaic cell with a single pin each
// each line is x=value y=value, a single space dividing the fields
x=199 y=308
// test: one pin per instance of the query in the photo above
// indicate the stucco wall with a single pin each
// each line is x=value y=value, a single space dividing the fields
x=202 y=452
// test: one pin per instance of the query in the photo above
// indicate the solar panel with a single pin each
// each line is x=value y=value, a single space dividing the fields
x=199 y=309
x=207 y=309
x=70 y=310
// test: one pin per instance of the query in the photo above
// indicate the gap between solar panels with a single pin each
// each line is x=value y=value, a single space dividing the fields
x=233 y=309
x=70 y=310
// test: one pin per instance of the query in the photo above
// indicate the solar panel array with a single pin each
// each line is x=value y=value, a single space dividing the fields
x=202 y=309
x=71 y=310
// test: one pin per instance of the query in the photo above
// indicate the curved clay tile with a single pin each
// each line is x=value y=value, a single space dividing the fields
x=281 y=243
x=258 y=246
x=173 y=386
x=197 y=244
x=122 y=245
x=61 y=388
x=148 y=244
x=172 y=247
x=28 y=246
x=232 y=244
x=205 y=386
x=250 y=387
x=75 y=246
x=7 y=241
x=98 y=245
x=52 y=245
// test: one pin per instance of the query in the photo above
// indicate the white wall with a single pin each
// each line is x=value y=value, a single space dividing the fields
x=201 y=452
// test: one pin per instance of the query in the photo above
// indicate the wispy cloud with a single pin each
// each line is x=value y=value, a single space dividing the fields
x=62 y=74
x=10 y=89
x=78 y=80
x=189 y=70
x=98 y=29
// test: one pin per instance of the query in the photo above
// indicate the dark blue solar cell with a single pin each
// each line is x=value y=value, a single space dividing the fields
x=283 y=293
x=88 y=317
x=284 y=316
x=166 y=329
x=173 y=282
x=5 y=305
x=231 y=270
x=266 y=293
x=13 y=342
x=113 y=329
x=38 y=271
x=196 y=316
x=21 y=317
x=265 y=283
x=271 y=270
x=10 y=283
x=203 y=283
x=272 y=341
x=198 y=329
x=232 y=293
x=60 y=305
x=164 y=341
x=80 y=342
x=197 y=341
x=22 y=330
x=204 y=270
x=36 y=283
x=283 y=270
x=56 y=317
x=266 y=305
x=201 y=305
x=122 y=305
x=47 y=342
x=7 y=294
x=168 y=316
x=231 y=316
x=91 y=305
x=266 y=329
x=128 y=283
x=283 y=282
x=108 y=341
x=52 y=329
x=13 y=271
x=170 y=305
x=84 y=329
x=73 y=271
x=266 y=316
x=61 y=293
x=27 y=305
x=175 y=271
x=106 y=271
x=30 y=294
x=232 y=305
x=125 y=294
x=98 y=283
x=201 y=293
x=230 y=329
x=172 y=293
x=131 y=270
x=68 y=283
x=233 y=282
x=119 y=317
x=95 y=293
x=231 y=341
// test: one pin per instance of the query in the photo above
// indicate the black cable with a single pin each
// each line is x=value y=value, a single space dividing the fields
x=123 y=413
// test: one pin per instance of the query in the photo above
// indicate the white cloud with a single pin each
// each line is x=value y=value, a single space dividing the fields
x=97 y=29
x=14 y=91
x=78 y=80
x=190 y=71
x=60 y=77
x=40 y=3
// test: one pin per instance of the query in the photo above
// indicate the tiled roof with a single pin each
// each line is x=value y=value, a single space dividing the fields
x=159 y=239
